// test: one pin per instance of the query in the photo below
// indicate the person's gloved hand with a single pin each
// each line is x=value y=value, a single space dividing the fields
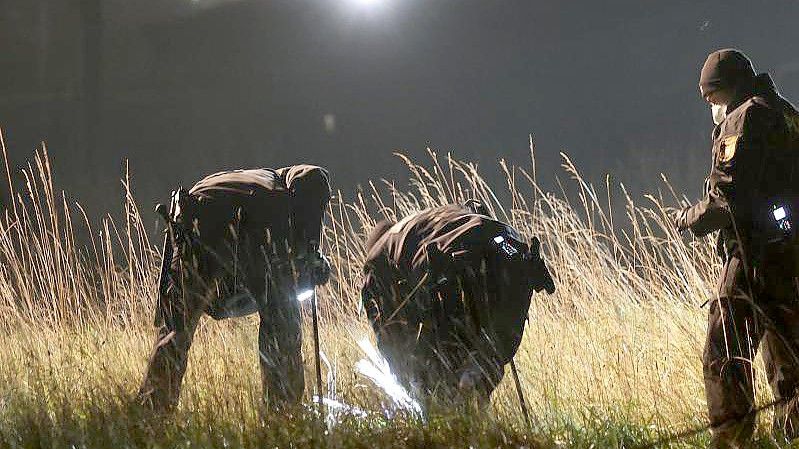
x=542 y=280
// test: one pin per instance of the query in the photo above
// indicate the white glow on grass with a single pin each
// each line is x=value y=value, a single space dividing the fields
x=305 y=295
x=336 y=408
x=780 y=213
x=375 y=368
x=499 y=239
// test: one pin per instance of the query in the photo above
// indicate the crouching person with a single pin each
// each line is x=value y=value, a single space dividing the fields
x=239 y=242
x=447 y=291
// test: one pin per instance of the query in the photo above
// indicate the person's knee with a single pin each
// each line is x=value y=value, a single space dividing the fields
x=175 y=341
x=283 y=376
x=280 y=347
x=724 y=358
x=177 y=310
x=729 y=371
x=475 y=383
x=730 y=394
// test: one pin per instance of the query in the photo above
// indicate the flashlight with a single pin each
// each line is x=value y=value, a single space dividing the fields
x=781 y=217
x=779 y=213
x=505 y=246
x=305 y=295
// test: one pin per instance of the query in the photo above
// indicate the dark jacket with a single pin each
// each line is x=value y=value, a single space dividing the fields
x=755 y=168
x=284 y=206
x=234 y=226
x=443 y=297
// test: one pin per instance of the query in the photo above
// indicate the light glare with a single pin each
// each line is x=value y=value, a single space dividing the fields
x=367 y=4
x=376 y=368
x=305 y=295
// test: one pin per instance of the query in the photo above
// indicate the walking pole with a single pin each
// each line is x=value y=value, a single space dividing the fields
x=317 y=356
x=520 y=393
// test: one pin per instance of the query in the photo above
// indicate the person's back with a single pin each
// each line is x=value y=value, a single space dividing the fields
x=240 y=242
x=447 y=291
x=288 y=202
x=226 y=208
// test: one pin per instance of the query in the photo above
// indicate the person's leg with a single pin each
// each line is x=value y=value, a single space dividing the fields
x=781 y=355
x=480 y=375
x=280 y=341
x=178 y=311
x=727 y=362
x=732 y=339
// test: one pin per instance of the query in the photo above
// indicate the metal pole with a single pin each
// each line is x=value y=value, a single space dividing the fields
x=318 y=362
x=520 y=393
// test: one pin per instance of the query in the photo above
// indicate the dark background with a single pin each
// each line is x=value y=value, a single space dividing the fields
x=182 y=88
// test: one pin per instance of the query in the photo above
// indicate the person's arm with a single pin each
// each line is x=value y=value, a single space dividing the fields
x=309 y=186
x=710 y=214
x=735 y=178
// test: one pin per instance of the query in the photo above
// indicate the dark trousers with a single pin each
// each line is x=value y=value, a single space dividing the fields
x=754 y=310
x=200 y=274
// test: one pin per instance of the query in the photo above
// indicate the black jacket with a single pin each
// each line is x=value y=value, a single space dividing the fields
x=442 y=294
x=755 y=168
x=286 y=205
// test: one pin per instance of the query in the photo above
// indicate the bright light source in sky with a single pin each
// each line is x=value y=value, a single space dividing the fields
x=360 y=9
x=370 y=4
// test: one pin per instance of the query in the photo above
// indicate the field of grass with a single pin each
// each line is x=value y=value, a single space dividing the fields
x=611 y=360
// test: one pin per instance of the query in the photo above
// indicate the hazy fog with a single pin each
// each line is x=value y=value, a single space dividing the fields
x=181 y=88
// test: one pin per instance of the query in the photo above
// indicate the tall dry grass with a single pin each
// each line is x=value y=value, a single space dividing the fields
x=611 y=360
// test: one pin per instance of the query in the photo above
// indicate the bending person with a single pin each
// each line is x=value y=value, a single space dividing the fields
x=447 y=291
x=240 y=242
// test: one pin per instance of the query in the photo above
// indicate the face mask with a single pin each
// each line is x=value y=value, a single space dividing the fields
x=719 y=111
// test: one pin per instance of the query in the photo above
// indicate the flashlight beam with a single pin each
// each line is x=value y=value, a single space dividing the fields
x=305 y=295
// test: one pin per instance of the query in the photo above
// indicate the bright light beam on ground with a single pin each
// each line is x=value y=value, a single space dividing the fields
x=341 y=408
x=376 y=369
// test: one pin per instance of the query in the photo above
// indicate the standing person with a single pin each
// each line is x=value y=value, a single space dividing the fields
x=752 y=198
x=447 y=291
x=241 y=242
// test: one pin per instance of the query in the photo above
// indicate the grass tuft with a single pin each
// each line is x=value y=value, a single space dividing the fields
x=611 y=360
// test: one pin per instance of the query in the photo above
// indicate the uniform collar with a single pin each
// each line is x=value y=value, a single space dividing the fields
x=761 y=85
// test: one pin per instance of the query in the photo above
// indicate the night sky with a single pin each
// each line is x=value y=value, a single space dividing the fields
x=185 y=88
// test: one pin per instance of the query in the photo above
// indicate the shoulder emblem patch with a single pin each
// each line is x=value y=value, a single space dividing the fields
x=727 y=150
